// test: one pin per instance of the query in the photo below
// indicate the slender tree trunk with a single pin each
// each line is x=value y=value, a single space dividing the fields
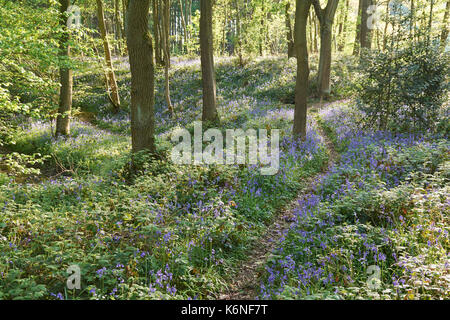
x=156 y=31
x=385 y=32
x=111 y=77
x=311 y=32
x=357 y=44
x=166 y=50
x=365 y=33
x=188 y=15
x=117 y=26
x=140 y=49
x=343 y=28
x=238 y=30
x=262 y=34
x=184 y=24
x=207 y=62
x=445 y=31
x=316 y=32
x=430 y=22
x=326 y=18
x=290 y=36
x=339 y=35
x=224 y=29
x=411 y=20
x=66 y=77
x=324 y=72
x=301 y=86
x=124 y=30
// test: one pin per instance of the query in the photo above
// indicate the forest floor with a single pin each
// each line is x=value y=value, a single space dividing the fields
x=246 y=283
x=344 y=199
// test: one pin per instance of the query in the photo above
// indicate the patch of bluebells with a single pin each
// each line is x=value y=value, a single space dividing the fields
x=331 y=242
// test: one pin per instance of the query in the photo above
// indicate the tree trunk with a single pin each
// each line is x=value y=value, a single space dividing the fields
x=324 y=73
x=238 y=31
x=224 y=29
x=140 y=50
x=311 y=32
x=184 y=24
x=301 y=86
x=124 y=30
x=156 y=31
x=365 y=34
x=356 y=44
x=316 y=31
x=262 y=33
x=412 y=19
x=188 y=14
x=430 y=22
x=117 y=25
x=66 y=77
x=385 y=32
x=166 y=50
x=326 y=18
x=343 y=28
x=207 y=62
x=290 y=36
x=111 y=77
x=445 y=31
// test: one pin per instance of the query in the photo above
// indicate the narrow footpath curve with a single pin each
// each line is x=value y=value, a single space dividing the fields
x=246 y=283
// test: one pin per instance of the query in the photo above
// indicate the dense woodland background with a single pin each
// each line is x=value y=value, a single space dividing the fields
x=91 y=92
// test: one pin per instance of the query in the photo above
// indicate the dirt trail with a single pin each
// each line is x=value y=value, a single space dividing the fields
x=246 y=283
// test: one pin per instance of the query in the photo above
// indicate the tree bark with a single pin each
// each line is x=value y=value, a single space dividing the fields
x=430 y=22
x=184 y=24
x=290 y=36
x=224 y=29
x=326 y=18
x=111 y=77
x=365 y=33
x=207 y=62
x=124 y=30
x=65 y=74
x=166 y=50
x=117 y=23
x=445 y=31
x=238 y=31
x=140 y=50
x=156 y=31
x=411 y=20
x=301 y=86
x=343 y=28
x=356 y=45
x=262 y=33
x=386 y=24
x=124 y=13
x=316 y=31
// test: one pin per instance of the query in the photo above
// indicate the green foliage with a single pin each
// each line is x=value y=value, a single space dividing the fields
x=384 y=205
x=404 y=89
x=138 y=233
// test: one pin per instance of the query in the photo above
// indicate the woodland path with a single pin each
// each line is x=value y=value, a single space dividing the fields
x=245 y=284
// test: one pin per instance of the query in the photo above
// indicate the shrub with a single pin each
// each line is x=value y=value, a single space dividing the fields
x=404 y=89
